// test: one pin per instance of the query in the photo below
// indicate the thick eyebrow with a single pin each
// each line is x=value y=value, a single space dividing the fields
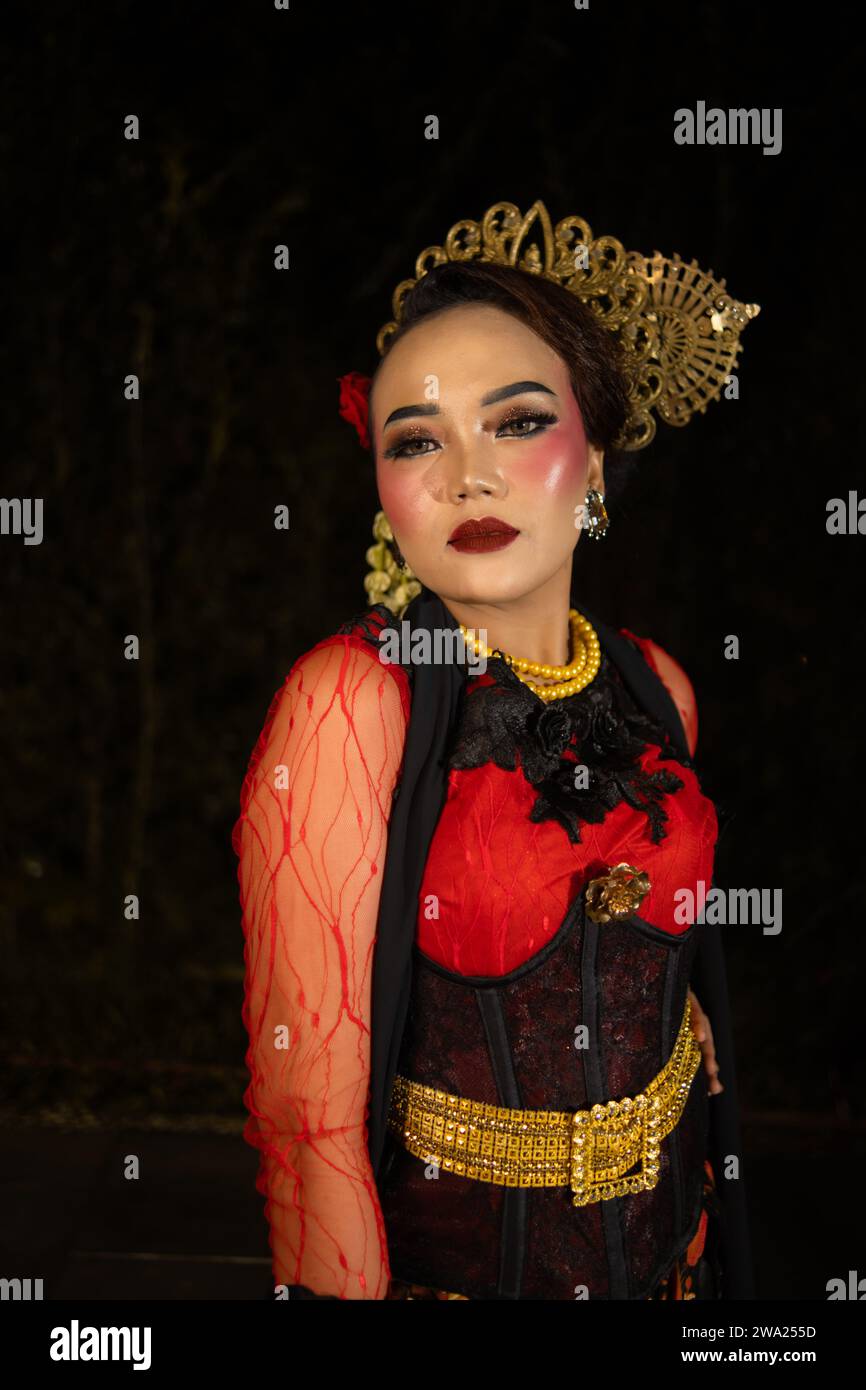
x=517 y=388
x=502 y=393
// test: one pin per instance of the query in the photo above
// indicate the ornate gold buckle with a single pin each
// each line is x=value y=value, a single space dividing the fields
x=606 y=1143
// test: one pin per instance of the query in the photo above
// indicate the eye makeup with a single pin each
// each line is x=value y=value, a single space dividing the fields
x=415 y=434
x=521 y=413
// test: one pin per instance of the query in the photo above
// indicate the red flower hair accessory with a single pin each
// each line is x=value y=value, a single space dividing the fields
x=355 y=403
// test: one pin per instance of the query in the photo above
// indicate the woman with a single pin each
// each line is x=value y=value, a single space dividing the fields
x=462 y=876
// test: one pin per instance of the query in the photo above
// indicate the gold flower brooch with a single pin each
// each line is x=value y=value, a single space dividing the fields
x=616 y=894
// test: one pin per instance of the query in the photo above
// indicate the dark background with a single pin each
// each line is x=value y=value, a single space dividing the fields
x=156 y=257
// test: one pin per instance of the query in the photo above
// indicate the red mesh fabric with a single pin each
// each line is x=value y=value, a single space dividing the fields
x=311 y=841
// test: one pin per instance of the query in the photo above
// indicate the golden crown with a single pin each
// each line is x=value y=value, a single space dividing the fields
x=678 y=329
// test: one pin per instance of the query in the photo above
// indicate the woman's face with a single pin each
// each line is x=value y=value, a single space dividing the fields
x=487 y=426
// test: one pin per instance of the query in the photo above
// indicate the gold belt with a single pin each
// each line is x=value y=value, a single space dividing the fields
x=591 y=1151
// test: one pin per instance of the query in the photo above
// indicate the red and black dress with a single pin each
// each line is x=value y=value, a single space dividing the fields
x=481 y=991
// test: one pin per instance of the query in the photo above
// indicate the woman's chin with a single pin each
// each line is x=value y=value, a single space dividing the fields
x=482 y=592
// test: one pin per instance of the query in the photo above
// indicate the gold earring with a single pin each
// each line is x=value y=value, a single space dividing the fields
x=597 y=519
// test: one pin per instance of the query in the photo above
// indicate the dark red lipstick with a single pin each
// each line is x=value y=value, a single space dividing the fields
x=485 y=533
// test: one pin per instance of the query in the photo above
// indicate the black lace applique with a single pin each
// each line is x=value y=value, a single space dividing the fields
x=602 y=726
x=370 y=620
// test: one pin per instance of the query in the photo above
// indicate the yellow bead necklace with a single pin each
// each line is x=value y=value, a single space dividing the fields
x=586 y=657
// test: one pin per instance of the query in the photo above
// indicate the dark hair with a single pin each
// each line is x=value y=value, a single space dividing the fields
x=568 y=326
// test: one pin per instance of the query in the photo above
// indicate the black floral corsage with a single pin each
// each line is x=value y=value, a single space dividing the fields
x=600 y=728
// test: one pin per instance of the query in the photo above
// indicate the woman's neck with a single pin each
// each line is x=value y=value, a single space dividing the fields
x=535 y=626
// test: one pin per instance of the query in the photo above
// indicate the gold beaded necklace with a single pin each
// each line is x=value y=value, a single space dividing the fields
x=583 y=667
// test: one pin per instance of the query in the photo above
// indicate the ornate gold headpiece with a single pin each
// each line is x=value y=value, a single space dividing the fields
x=678 y=328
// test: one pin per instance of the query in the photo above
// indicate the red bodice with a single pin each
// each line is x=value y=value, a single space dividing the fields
x=501 y=885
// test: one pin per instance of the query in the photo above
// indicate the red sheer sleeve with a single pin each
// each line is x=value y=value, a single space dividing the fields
x=678 y=685
x=311 y=842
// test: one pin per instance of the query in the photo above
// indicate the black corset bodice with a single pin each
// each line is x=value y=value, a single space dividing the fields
x=511 y=1041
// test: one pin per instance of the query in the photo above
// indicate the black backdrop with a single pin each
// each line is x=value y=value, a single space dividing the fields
x=306 y=127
